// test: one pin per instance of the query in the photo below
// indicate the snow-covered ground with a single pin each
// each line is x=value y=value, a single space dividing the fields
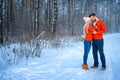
x=65 y=64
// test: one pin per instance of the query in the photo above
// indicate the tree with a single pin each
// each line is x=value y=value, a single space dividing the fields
x=36 y=17
x=73 y=18
x=1 y=26
x=54 y=17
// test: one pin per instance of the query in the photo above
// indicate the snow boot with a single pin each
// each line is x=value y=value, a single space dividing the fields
x=103 y=68
x=93 y=67
x=84 y=66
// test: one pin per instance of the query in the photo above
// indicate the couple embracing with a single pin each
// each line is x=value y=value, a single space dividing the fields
x=93 y=31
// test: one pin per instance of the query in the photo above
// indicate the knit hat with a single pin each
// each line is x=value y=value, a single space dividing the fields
x=86 y=19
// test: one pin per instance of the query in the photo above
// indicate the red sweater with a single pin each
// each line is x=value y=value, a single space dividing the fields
x=88 y=34
x=100 y=28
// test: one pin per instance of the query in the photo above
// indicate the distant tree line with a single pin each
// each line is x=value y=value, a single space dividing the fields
x=22 y=20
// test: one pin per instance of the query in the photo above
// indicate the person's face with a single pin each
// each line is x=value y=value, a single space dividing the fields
x=93 y=18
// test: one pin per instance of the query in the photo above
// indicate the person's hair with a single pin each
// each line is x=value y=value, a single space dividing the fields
x=90 y=23
x=92 y=14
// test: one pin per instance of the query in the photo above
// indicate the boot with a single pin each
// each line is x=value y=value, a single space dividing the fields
x=84 y=66
x=103 y=68
x=93 y=67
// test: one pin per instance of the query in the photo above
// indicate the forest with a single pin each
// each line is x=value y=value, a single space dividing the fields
x=23 y=20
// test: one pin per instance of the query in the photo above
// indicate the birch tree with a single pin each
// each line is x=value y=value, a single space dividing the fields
x=36 y=16
x=54 y=17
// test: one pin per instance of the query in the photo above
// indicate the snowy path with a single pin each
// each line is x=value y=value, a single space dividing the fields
x=65 y=64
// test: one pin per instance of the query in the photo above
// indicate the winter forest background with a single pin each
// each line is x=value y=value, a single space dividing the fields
x=35 y=22
x=41 y=39
x=26 y=19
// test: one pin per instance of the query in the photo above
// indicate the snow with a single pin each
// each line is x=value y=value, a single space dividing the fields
x=65 y=63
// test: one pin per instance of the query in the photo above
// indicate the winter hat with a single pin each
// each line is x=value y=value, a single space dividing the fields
x=86 y=19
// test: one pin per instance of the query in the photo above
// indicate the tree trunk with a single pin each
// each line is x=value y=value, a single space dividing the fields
x=69 y=16
x=36 y=17
x=73 y=18
x=1 y=27
x=54 y=17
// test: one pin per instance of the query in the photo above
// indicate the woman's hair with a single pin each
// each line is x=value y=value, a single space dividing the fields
x=90 y=23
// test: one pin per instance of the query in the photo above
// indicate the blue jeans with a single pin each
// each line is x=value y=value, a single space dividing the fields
x=98 y=46
x=87 y=46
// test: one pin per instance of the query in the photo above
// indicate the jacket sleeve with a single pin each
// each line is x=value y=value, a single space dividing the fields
x=103 y=28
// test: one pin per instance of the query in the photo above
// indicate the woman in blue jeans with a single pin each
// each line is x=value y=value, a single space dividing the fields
x=87 y=40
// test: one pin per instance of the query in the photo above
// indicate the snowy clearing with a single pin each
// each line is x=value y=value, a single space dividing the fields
x=65 y=64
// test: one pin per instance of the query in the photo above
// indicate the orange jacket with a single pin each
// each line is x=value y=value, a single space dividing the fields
x=88 y=33
x=100 y=28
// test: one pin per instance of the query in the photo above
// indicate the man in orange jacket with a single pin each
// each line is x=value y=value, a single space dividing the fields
x=98 y=42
